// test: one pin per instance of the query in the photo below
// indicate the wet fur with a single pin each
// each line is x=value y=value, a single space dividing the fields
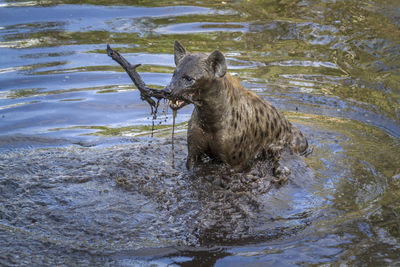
x=229 y=123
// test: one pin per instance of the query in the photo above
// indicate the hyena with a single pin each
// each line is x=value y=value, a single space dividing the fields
x=229 y=123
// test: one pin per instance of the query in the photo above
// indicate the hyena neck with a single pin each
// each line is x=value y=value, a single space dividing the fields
x=215 y=97
x=213 y=105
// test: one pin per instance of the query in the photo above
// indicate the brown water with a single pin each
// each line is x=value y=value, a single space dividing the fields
x=83 y=183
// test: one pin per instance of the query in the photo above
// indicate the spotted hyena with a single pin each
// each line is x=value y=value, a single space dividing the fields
x=228 y=123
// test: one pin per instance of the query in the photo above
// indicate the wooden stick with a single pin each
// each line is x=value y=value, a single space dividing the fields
x=146 y=93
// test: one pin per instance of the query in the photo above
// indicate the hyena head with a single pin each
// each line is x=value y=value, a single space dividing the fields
x=192 y=74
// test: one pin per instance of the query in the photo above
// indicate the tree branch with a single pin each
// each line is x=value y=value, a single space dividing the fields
x=146 y=93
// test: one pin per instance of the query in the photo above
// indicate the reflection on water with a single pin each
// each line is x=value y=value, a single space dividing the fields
x=76 y=188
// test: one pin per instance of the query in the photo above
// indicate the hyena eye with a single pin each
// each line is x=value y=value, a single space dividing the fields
x=189 y=79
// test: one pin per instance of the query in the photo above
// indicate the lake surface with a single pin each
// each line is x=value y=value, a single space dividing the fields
x=83 y=182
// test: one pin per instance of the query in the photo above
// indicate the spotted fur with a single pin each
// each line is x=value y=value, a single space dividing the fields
x=229 y=123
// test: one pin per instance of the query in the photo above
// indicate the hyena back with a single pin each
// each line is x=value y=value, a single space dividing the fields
x=229 y=123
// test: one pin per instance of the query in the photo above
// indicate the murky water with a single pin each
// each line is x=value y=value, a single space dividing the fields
x=83 y=183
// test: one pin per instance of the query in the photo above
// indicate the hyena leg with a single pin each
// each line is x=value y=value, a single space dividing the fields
x=280 y=172
x=195 y=155
x=197 y=145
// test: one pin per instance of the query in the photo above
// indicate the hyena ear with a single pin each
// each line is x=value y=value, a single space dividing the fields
x=217 y=63
x=179 y=52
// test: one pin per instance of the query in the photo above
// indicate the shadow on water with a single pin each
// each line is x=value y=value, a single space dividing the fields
x=82 y=182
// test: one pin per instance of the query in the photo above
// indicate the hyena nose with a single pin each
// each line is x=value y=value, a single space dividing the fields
x=168 y=89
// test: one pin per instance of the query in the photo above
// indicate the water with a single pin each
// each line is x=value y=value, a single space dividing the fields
x=83 y=183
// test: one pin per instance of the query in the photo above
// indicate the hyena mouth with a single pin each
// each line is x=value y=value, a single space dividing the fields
x=177 y=104
x=182 y=101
